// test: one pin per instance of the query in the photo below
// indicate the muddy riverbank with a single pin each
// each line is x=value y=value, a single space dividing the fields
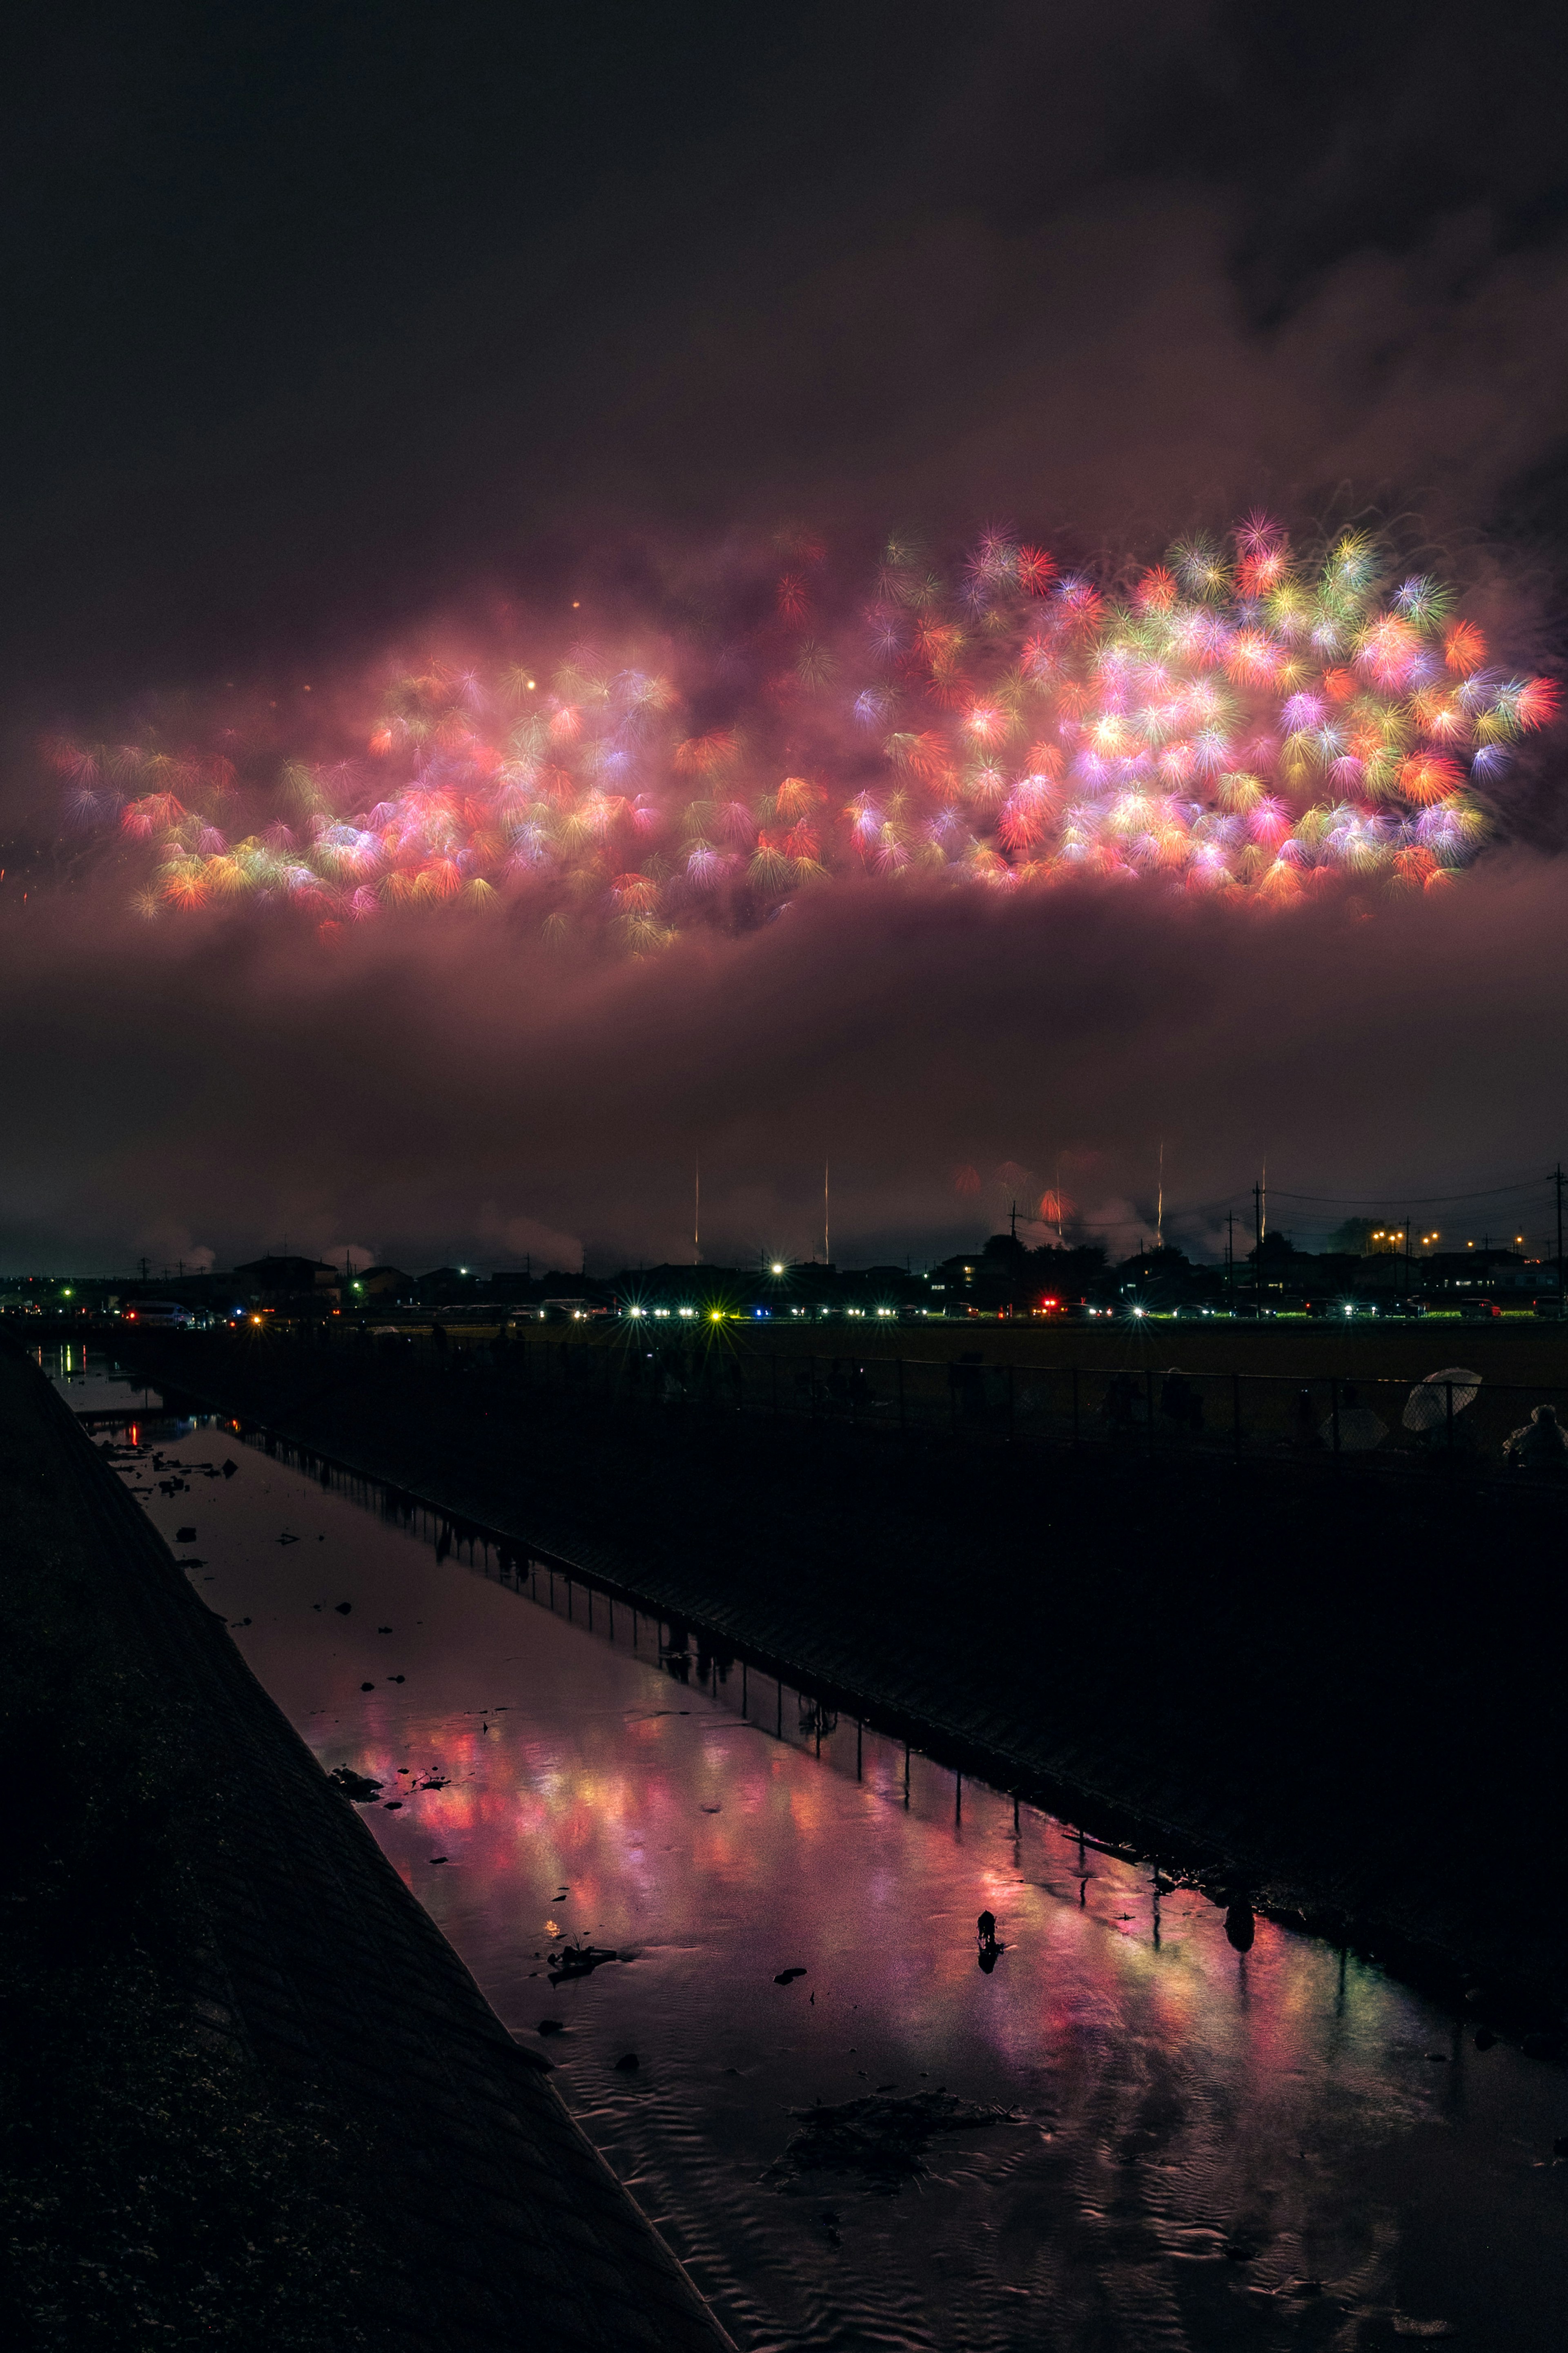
x=1344 y=1694
x=251 y=2095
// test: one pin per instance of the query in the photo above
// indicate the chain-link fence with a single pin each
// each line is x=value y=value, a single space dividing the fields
x=1453 y=1418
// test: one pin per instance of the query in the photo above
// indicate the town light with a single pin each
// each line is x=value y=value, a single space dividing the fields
x=777 y=1267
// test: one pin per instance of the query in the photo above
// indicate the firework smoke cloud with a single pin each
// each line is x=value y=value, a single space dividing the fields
x=1238 y=719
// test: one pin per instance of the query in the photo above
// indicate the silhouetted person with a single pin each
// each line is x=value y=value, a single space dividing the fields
x=1120 y=1402
x=1238 y=1925
x=968 y=1378
x=1181 y=1403
x=985 y=1927
x=1306 y=1424
x=1541 y=1448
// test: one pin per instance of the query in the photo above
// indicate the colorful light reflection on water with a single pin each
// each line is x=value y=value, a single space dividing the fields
x=1204 y=2148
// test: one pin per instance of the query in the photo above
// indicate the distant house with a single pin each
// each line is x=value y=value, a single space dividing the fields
x=385 y=1282
x=450 y=1286
x=276 y=1281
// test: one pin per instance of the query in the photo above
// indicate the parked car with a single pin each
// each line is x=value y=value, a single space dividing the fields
x=160 y=1314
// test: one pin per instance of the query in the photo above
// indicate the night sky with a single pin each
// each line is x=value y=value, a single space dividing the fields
x=338 y=330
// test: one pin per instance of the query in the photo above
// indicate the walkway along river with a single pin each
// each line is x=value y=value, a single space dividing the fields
x=1135 y=2119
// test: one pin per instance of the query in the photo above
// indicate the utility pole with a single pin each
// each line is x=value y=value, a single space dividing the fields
x=1257 y=1250
x=826 y=1224
x=1557 y=1180
x=697 y=1215
x=1407 y=1263
x=1160 y=1201
x=1230 y=1258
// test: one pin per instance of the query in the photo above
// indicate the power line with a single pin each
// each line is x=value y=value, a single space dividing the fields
x=1411 y=1200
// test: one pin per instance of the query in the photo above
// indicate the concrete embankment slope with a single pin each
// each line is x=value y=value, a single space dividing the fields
x=1343 y=1692
x=477 y=2214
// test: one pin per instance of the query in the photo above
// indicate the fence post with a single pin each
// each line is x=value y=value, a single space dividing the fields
x=1334 y=1410
x=1010 y=1406
x=900 y=1362
x=773 y=1364
x=1148 y=1405
x=1449 y=1385
x=1075 y=1433
x=1236 y=1412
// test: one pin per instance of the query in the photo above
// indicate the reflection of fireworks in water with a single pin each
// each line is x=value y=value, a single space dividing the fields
x=1234 y=722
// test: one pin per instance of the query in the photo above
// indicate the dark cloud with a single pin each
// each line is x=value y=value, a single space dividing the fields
x=422 y=1095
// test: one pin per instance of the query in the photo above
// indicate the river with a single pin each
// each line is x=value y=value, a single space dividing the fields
x=1146 y=2135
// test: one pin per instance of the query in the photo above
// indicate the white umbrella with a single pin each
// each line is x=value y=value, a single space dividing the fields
x=1359 y=1429
x=1428 y=1404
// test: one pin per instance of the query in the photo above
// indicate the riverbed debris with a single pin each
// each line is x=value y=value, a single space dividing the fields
x=884 y=2140
x=359 y=1787
x=788 y=1976
x=1240 y=1926
x=580 y=1961
x=627 y=2063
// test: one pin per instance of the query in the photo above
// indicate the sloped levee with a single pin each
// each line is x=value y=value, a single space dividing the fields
x=476 y=2213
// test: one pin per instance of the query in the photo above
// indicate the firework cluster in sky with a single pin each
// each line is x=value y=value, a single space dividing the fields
x=1233 y=720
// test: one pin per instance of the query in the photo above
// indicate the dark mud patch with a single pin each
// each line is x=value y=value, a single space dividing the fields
x=883 y=2141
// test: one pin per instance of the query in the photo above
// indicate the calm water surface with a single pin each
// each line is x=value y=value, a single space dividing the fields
x=1200 y=2147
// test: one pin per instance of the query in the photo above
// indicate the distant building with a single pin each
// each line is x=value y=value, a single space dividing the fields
x=385 y=1282
x=289 y=1281
x=450 y=1286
